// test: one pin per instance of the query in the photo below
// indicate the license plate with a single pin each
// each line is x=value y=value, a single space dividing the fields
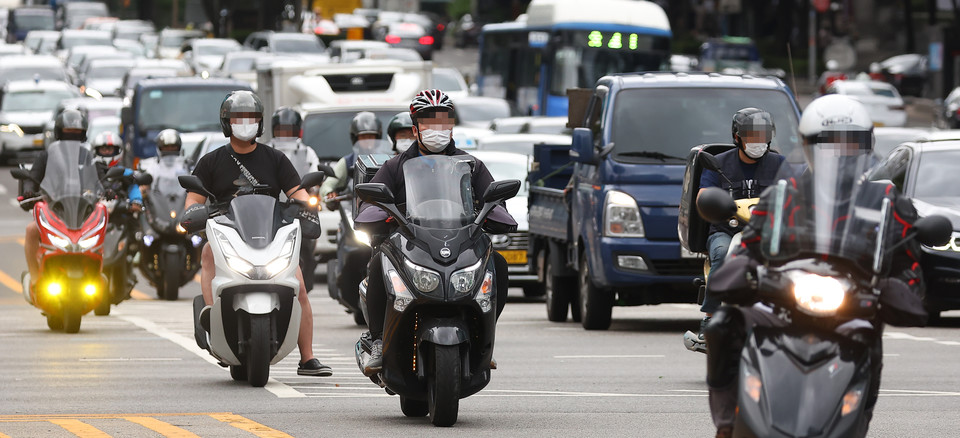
x=515 y=256
x=38 y=142
x=687 y=254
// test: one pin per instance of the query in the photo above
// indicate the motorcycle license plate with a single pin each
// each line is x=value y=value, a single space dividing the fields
x=687 y=254
x=515 y=256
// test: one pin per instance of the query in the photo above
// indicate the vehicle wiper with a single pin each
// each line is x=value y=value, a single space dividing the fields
x=651 y=154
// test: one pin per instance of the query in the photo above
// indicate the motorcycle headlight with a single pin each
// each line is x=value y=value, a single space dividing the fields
x=281 y=263
x=234 y=261
x=403 y=296
x=89 y=242
x=426 y=280
x=362 y=237
x=464 y=279
x=59 y=242
x=485 y=295
x=817 y=295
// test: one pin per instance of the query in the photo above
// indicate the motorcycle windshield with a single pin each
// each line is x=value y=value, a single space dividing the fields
x=166 y=195
x=439 y=191
x=70 y=182
x=256 y=218
x=831 y=210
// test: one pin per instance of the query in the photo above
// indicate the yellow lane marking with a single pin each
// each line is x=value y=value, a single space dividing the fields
x=163 y=428
x=80 y=429
x=3 y=435
x=49 y=417
x=10 y=283
x=140 y=295
x=249 y=425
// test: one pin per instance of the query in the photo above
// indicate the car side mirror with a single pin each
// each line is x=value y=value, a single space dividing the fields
x=114 y=173
x=708 y=161
x=195 y=219
x=501 y=190
x=374 y=193
x=715 y=205
x=581 y=150
x=312 y=179
x=143 y=179
x=933 y=230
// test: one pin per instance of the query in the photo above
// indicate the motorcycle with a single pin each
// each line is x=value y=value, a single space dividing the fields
x=255 y=317
x=441 y=299
x=72 y=223
x=119 y=246
x=169 y=257
x=828 y=250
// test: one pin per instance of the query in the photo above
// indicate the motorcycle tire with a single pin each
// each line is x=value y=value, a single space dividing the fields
x=54 y=322
x=258 y=351
x=358 y=318
x=238 y=373
x=443 y=385
x=332 y=279
x=71 y=318
x=596 y=306
x=171 y=278
x=558 y=291
x=534 y=290
x=102 y=309
x=413 y=408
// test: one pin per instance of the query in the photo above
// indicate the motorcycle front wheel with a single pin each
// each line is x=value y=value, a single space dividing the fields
x=443 y=386
x=71 y=318
x=258 y=351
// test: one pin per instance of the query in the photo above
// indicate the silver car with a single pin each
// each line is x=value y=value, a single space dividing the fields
x=25 y=107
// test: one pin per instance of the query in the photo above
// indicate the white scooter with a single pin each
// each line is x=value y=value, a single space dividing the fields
x=255 y=317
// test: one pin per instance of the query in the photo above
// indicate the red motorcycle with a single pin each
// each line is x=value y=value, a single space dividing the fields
x=72 y=223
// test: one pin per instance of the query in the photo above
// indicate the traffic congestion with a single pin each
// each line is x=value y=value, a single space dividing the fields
x=512 y=218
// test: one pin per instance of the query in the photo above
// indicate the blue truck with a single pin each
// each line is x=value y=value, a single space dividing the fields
x=603 y=212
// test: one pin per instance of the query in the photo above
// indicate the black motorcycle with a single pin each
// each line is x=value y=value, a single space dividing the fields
x=169 y=257
x=828 y=251
x=441 y=298
x=120 y=244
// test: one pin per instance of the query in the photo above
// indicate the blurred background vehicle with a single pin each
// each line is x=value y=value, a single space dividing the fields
x=71 y=15
x=104 y=77
x=407 y=36
x=206 y=54
x=520 y=143
x=888 y=138
x=27 y=67
x=41 y=42
x=451 y=82
x=466 y=32
x=25 y=19
x=881 y=99
x=170 y=41
x=478 y=112
x=906 y=72
x=25 y=106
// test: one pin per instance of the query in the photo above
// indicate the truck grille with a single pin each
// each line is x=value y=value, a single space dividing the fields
x=510 y=241
x=359 y=82
x=30 y=130
x=692 y=267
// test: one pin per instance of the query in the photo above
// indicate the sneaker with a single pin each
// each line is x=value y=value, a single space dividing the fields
x=205 y=318
x=375 y=364
x=313 y=367
x=725 y=432
x=493 y=363
x=696 y=341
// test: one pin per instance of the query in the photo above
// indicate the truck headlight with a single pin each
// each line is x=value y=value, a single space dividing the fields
x=817 y=295
x=464 y=279
x=426 y=280
x=621 y=216
x=12 y=128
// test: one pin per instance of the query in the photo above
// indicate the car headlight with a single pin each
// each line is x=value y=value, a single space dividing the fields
x=464 y=279
x=59 y=242
x=621 y=216
x=362 y=237
x=89 y=242
x=12 y=128
x=426 y=280
x=817 y=295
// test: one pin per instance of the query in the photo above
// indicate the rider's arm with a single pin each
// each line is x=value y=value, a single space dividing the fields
x=332 y=182
x=133 y=191
x=37 y=172
x=708 y=179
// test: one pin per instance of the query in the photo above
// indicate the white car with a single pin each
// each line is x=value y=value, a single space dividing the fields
x=882 y=100
x=451 y=82
x=520 y=143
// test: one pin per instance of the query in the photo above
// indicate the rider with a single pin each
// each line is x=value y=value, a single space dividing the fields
x=287 y=133
x=432 y=113
x=841 y=127
x=365 y=130
x=108 y=153
x=168 y=144
x=241 y=118
x=749 y=169
x=69 y=128
x=400 y=131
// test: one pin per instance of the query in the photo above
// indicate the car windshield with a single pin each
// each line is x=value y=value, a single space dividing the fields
x=481 y=111
x=883 y=91
x=108 y=72
x=172 y=40
x=501 y=170
x=240 y=64
x=686 y=117
x=298 y=45
x=34 y=21
x=329 y=133
x=938 y=174
x=886 y=143
x=183 y=109
x=27 y=73
x=446 y=81
x=75 y=41
x=215 y=49
x=34 y=100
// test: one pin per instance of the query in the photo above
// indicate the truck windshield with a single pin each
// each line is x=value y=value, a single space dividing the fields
x=184 y=109
x=669 y=121
x=329 y=133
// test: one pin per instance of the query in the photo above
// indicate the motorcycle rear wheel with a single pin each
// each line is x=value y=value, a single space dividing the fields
x=258 y=351
x=171 y=279
x=238 y=373
x=102 y=309
x=443 y=386
x=413 y=408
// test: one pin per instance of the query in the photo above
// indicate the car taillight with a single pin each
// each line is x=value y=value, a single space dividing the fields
x=426 y=40
x=878 y=77
x=392 y=39
x=441 y=27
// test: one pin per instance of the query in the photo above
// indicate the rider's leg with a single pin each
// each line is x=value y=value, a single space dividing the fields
x=207 y=272
x=376 y=297
x=717 y=244
x=31 y=246
x=305 y=341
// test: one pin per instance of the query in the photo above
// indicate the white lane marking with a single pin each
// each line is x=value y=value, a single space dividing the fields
x=891 y=355
x=909 y=337
x=279 y=389
x=611 y=356
x=131 y=359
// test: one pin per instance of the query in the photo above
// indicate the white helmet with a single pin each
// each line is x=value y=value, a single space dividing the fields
x=833 y=110
x=107 y=148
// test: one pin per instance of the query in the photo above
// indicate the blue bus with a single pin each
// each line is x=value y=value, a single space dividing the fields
x=561 y=44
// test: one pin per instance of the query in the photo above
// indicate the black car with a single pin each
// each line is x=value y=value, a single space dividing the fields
x=906 y=72
x=925 y=172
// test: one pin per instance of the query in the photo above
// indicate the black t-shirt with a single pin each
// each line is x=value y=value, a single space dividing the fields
x=221 y=175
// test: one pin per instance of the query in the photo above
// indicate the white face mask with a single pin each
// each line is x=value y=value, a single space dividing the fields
x=404 y=144
x=435 y=141
x=245 y=131
x=285 y=142
x=755 y=150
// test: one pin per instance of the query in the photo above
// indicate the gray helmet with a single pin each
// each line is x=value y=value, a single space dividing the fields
x=365 y=122
x=70 y=119
x=166 y=139
x=242 y=102
x=398 y=122
x=286 y=117
x=752 y=120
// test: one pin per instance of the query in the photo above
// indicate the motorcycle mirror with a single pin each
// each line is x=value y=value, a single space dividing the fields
x=20 y=174
x=312 y=179
x=709 y=161
x=374 y=193
x=195 y=220
x=327 y=170
x=716 y=205
x=191 y=182
x=114 y=173
x=143 y=179
x=500 y=190
x=933 y=230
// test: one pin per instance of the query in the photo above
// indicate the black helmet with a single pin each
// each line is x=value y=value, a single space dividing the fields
x=286 y=117
x=365 y=122
x=73 y=120
x=398 y=122
x=167 y=139
x=752 y=120
x=240 y=101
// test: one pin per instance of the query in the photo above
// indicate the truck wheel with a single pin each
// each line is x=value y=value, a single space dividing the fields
x=596 y=307
x=534 y=290
x=558 y=291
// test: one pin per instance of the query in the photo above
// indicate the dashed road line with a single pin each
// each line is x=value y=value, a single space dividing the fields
x=249 y=425
x=10 y=283
x=79 y=428
x=909 y=337
x=162 y=427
